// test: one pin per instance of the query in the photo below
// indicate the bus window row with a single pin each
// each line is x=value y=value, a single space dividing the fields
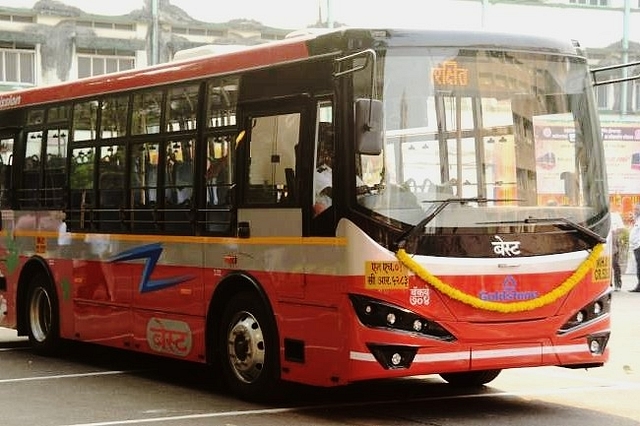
x=152 y=111
x=157 y=190
x=133 y=153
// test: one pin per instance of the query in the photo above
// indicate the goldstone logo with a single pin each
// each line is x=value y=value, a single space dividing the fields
x=509 y=292
x=9 y=101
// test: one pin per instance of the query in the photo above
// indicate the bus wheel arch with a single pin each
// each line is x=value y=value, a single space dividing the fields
x=242 y=338
x=38 y=307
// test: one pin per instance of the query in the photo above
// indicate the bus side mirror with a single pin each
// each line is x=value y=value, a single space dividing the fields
x=369 y=121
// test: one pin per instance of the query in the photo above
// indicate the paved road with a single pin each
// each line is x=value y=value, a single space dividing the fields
x=95 y=386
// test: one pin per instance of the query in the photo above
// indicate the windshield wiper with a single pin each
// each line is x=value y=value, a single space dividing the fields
x=411 y=232
x=586 y=234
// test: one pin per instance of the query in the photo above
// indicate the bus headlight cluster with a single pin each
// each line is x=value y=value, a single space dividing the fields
x=379 y=314
x=588 y=313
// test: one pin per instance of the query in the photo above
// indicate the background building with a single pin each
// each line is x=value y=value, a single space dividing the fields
x=53 y=42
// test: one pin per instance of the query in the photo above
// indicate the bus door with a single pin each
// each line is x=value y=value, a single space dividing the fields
x=271 y=174
x=7 y=140
x=270 y=204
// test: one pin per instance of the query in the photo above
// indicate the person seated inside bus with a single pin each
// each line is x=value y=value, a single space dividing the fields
x=323 y=176
x=180 y=176
x=217 y=177
x=322 y=183
x=323 y=186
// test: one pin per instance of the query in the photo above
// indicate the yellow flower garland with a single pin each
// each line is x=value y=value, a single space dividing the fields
x=526 y=305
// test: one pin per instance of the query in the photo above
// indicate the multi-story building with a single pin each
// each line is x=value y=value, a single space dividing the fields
x=52 y=42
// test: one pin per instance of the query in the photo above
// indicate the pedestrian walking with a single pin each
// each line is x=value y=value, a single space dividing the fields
x=634 y=243
x=618 y=249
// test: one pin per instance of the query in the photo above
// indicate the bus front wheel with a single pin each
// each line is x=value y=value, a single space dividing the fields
x=249 y=348
x=470 y=378
x=42 y=315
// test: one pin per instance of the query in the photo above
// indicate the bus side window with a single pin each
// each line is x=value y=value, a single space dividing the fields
x=146 y=112
x=179 y=173
x=55 y=174
x=81 y=186
x=181 y=108
x=113 y=122
x=85 y=121
x=111 y=184
x=6 y=160
x=219 y=180
x=143 y=181
x=29 y=195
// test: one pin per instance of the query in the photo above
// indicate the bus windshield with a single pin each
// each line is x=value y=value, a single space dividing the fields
x=513 y=134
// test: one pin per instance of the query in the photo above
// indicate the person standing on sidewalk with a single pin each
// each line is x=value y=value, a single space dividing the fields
x=634 y=243
x=618 y=249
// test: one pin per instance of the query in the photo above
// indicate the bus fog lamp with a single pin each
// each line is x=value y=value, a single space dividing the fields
x=597 y=343
x=396 y=359
x=391 y=318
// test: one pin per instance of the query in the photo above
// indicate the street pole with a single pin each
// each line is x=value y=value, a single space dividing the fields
x=154 y=32
x=485 y=7
x=625 y=56
x=329 y=15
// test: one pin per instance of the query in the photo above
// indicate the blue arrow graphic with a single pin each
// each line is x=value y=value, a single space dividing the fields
x=150 y=252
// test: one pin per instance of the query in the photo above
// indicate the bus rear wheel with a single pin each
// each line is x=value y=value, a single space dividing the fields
x=249 y=348
x=43 y=319
x=470 y=378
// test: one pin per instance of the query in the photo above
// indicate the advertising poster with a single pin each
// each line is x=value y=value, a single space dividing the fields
x=555 y=160
x=622 y=152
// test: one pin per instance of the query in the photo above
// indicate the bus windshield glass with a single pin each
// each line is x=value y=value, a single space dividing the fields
x=512 y=135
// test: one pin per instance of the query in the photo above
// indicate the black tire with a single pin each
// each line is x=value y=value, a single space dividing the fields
x=42 y=314
x=249 y=349
x=470 y=378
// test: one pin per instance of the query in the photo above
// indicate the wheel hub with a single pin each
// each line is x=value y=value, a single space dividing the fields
x=40 y=315
x=246 y=348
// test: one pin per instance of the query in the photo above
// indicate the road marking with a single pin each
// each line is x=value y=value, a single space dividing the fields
x=67 y=376
x=268 y=411
x=17 y=348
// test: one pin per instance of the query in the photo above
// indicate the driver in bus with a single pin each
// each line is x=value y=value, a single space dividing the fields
x=323 y=176
x=323 y=183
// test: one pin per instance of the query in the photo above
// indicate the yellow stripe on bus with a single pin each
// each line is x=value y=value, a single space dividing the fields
x=315 y=241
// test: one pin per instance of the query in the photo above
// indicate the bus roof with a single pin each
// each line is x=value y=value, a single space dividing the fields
x=299 y=46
